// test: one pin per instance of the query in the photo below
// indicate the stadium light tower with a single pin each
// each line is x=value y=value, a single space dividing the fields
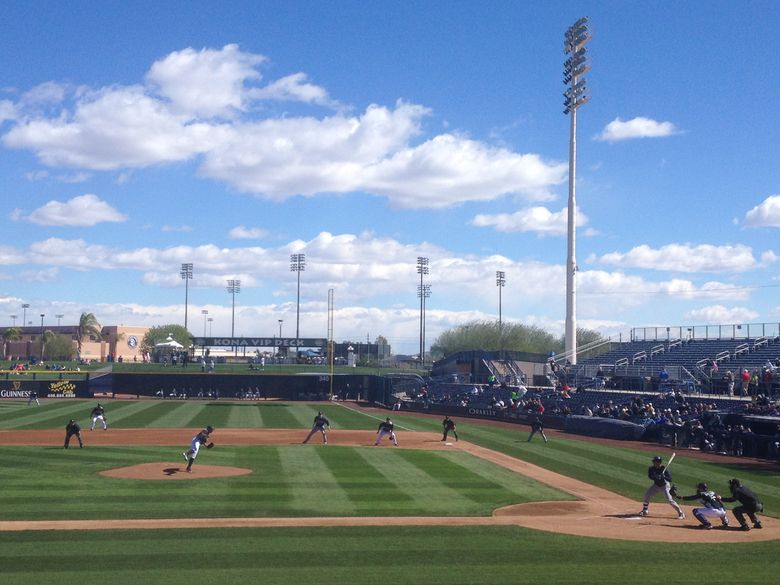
x=25 y=306
x=59 y=318
x=422 y=270
x=186 y=274
x=574 y=69
x=500 y=282
x=233 y=287
x=298 y=264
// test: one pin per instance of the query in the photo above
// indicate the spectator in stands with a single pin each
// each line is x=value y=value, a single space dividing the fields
x=745 y=382
x=729 y=377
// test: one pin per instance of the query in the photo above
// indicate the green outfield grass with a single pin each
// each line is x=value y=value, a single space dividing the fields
x=498 y=555
x=291 y=480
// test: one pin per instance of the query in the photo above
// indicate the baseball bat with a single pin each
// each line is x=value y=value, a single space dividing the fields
x=670 y=460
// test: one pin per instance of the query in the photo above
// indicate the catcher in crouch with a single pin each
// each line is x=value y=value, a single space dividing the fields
x=199 y=440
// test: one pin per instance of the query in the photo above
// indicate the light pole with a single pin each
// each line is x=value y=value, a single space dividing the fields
x=278 y=348
x=186 y=274
x=500 y=282
x=205 y=313
x=13 y=318
x=574 y=70
x=297 y=264
x=42 y=316
x=211 y=321
x=233 y=287
x=59 y=319
x=25 y=306
x=422 y=270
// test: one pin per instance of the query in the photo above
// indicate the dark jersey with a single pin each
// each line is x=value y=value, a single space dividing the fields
x=73 y=428
x=386 y=425
x=97 y=411
x=709 y=498
x=448 y=424
x=320 y=421
x=202 y=437
x=744 y=496
x=659 y=475
x=537 y=426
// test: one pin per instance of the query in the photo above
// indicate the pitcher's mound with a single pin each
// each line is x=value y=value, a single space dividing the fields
x=165 y=470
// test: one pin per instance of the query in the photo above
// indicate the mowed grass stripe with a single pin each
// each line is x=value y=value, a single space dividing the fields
x=122 y=414
x=277 y=415
x=181 y=415
x=313 y=485
x=244 y=415
x=50 y=415
x=429 y=492
x=366 y=486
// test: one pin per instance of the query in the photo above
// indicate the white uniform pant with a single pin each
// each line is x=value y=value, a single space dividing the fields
x=194 y=448
x=655 y=489
x=97 y=418
x=384 y=433
x=704 y=515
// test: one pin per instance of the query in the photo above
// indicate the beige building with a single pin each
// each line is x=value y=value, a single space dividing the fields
x=116 y=341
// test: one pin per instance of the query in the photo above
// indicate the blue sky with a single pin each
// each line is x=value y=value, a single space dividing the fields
x=138 y=136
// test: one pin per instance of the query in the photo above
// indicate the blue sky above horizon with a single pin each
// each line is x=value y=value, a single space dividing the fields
x=138 y=136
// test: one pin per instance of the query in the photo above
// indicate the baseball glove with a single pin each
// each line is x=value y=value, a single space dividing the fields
x=210 y=446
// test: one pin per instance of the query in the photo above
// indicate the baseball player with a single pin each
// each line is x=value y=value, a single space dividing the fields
x=320 y=422
x=537 y=427
x=386 y=428
x=448 y=426
x=199 y=440
x=33 y=397
x=713 y=507
x=750 y=504
x=98 y=414
x=73 y=429
x=662 y=482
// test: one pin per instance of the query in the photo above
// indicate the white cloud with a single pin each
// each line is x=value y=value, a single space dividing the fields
x=176 y=228
x=685 y=258
x=295 y=87
x=531 y=219
x=205 y=83
x=721 y=314
x=7 y=110
x=639 y=127
x=765 y=214
x=241 y=232
x=195 y=107
x=84 y=210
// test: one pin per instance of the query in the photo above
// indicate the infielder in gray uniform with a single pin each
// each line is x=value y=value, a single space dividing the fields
x=662 y=483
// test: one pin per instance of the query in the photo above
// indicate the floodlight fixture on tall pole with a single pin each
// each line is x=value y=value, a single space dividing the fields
x=25 y=306
x=298 y=264
x=14 y=318
x=422 y=270
x=211 y=323
x=59 y=319
x=500 y=282
x=574 y=69
x=233 y=287
x=205 y=313
x=186 y=274
x=424 y=292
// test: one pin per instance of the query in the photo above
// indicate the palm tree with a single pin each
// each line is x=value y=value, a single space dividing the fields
x=48 y=337
x=10 y=334
x=88 y=325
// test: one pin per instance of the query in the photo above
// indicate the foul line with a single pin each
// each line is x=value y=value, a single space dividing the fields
x=369 y=415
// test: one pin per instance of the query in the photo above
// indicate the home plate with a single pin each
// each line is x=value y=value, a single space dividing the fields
x=448 y=444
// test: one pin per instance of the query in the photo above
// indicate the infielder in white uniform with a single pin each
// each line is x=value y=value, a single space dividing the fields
x=98 y=414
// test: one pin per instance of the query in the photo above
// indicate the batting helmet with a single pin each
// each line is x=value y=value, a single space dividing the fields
x=657 y=459
x=702 y=486
x=210 y=429
x=734 y=483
